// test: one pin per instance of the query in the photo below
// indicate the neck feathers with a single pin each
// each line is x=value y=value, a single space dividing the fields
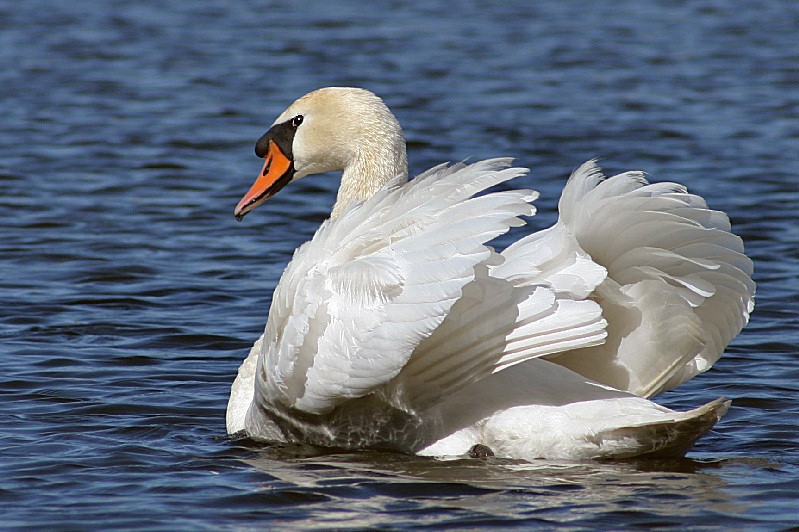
x=379 y=159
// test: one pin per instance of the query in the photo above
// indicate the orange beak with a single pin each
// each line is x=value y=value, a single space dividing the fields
x=278 y=171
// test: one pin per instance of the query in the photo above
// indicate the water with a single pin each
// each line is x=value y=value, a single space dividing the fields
x=129 y=294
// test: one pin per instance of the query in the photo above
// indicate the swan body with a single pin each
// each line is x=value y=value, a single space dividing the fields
x=397 y=326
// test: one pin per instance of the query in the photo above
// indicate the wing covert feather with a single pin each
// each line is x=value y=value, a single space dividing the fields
x=357 y=299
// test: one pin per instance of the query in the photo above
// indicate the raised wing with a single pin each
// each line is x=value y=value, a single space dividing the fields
x=357 y=299
x=494 y=325
x=529 y=301
x=679 y=286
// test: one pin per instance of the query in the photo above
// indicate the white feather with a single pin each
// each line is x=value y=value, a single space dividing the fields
x=661 y=334
x=397 y=325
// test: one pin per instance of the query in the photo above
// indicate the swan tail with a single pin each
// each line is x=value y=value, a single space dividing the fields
x=678 y=286
x=670 y=438
x=542 y=410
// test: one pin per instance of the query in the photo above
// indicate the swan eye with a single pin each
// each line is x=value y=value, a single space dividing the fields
x=296 y=121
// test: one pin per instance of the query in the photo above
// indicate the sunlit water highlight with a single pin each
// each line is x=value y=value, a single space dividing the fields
x=129 y=294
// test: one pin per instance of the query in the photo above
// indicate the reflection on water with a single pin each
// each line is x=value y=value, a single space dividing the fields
x=359 y=488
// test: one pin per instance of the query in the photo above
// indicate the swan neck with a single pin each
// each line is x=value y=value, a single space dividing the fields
x=369 y=172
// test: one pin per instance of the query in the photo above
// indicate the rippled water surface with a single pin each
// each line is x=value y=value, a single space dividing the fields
x=129 y=294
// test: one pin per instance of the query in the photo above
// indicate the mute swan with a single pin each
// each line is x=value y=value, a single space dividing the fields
x=396 y=326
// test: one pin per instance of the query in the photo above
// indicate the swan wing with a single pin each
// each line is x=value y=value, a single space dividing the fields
x=494 y=325
x=357 y=299
x=678 y=286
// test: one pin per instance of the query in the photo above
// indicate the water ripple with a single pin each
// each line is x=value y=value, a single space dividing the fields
x=129 y=294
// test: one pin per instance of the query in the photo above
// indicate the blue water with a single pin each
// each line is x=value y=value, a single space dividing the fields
x=129 y=294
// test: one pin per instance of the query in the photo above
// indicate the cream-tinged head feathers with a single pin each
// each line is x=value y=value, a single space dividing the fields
x=332 y=129
x=342 y=125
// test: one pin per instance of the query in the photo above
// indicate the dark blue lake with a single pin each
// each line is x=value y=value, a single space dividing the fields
x=129 y=294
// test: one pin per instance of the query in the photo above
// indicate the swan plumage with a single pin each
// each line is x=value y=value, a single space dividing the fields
x=398 y=326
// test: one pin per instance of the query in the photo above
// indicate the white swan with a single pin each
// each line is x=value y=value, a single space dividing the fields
x=396 y=326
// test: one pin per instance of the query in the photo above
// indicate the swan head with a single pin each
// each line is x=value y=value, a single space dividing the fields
x=331 y=129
